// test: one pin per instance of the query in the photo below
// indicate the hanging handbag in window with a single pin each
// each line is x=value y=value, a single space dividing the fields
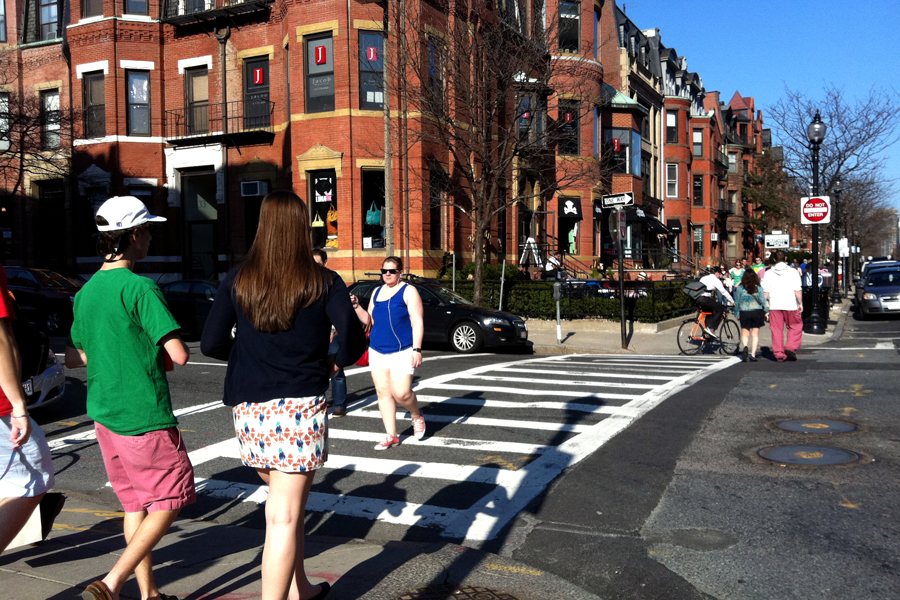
x=318 y=222
x=373 y=215
x=331 y=221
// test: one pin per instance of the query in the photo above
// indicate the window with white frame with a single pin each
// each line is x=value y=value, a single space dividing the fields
x=50 y=119
x=2 y=21
x=672 y=180
x=671 y=127
x=138 y=102
x=698 y=142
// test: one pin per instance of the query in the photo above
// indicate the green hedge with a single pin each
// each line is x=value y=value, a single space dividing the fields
x=534 y=299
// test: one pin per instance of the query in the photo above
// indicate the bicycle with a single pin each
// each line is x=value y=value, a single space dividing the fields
x=692 y=338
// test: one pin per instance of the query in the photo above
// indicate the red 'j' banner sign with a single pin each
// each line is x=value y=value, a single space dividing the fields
x=259 y=77
x=372 y=53
x=321 y=55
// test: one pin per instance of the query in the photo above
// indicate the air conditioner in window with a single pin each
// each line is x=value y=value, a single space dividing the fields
x=714 y=237
x=254 y=188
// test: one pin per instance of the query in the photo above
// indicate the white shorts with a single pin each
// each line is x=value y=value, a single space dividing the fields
x=31 y=470
x=399 y=363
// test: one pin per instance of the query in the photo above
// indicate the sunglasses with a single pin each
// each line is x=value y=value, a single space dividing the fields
x=390 y=271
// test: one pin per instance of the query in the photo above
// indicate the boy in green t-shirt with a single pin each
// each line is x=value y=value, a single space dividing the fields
x=121 y=333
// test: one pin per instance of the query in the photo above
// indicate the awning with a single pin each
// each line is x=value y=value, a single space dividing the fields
x=656 y=226
x=570 y=208
x=634 y=214
x=674 y=225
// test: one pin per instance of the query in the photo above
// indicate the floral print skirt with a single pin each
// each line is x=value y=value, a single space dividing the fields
x=285 y=434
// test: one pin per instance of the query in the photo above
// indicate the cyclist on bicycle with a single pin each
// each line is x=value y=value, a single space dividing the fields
x=714 y=298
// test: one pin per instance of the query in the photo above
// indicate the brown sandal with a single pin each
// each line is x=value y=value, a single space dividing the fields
x=97 y=591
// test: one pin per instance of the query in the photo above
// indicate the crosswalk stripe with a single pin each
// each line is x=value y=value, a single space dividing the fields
x=612 y=384
x=511 y=390
x=590 y=374
x=429 y=470
x=441 y=442
x=635 y=367
x=91 y=435
x=487 y=403
x=508 y=423
x=389 y=511
x=667 y=364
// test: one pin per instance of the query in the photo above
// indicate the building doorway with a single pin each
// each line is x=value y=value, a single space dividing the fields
x=198 y=199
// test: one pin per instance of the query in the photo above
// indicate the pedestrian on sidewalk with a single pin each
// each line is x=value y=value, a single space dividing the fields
x=395 y=349
x=759 y=267
x=737 y=272
x=121 y=331
x=750 y=308
x=283 y=305
x=783 y=293
x=339 y=381
x=26 y=467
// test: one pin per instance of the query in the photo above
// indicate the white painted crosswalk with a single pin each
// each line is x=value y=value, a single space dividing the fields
x=498 y=433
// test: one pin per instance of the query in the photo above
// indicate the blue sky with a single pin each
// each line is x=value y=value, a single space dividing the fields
x=758 y=47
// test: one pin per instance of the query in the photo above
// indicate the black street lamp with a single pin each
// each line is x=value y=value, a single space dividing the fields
x=836 y=206
x=814 y=323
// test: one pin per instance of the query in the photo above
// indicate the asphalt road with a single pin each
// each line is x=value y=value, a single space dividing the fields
x=633 y=477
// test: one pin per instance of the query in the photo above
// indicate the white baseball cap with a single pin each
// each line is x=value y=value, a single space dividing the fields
x=642 y=275
x=125 y=212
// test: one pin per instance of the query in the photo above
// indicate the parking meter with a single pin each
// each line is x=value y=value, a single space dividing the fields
x=557 y=291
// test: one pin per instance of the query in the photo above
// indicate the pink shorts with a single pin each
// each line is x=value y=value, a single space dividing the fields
x=150 y=471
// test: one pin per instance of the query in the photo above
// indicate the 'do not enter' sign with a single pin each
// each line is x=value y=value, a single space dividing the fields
x=815 y=210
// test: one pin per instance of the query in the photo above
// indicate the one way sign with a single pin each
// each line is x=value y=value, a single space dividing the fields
x=617 y=200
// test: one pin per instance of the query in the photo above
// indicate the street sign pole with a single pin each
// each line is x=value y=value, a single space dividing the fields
x=620 y=212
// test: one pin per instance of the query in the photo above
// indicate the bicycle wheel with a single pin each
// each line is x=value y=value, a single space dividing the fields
x=729 y=337
x=688 y=341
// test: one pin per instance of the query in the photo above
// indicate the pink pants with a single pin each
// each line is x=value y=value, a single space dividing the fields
x=778 y=320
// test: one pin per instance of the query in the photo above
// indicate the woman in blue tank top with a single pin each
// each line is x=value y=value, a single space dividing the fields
x=395 y=349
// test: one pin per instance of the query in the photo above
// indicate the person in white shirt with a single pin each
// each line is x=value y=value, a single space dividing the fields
x=783 y=294
x=714 y=303
x=553 y=268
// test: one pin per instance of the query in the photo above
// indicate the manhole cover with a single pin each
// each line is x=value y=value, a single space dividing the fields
x=808 y=456
x=451 y=592
x=817 y=426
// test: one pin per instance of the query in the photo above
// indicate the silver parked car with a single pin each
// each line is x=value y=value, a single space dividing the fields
x=881 y=294
x=47 y=386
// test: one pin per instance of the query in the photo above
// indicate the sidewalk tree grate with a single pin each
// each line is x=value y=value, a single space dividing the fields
x=452 y=592
x=817 y=426
x=809 y=456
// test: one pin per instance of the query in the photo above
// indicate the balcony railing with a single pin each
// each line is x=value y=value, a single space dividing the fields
x=185 y=12
x=203 y=122
x=722 y=158
x=726 y=207
x=95 y=121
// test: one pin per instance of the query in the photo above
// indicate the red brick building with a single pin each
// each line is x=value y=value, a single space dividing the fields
x=199 y=107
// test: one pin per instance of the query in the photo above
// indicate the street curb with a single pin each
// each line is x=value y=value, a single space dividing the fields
x=549 y=350
x=461 y=566
x=842 y=320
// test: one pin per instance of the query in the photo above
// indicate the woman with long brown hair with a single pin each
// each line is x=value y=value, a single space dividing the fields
x=751 y=308
x=284 y=305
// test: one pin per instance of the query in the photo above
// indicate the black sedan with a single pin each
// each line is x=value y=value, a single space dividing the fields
x=46 y=297
x=190 y=301
x=451 y=318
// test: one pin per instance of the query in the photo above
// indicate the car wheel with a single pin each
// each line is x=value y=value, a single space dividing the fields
x=466 y=338
x=53 y=322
